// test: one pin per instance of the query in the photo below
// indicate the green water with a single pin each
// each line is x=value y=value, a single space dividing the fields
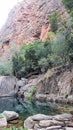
x=27 y=108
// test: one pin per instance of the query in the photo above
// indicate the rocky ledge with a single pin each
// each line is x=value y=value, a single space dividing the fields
x=44 y=122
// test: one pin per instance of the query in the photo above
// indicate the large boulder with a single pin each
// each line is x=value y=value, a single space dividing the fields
x=10 y=115
x=7 y=85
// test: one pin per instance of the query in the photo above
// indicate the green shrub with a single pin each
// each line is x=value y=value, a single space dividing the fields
x=54 y=22
x=26 y=60
x=5 y=68
x=68 y=4
x=32 y=92
x=43 y=64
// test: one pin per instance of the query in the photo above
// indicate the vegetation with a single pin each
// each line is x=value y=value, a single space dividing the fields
x=6 y=68
x=54 y=21
x=38 y=57
x=32 y=92
x=68 y=4
x=31 y=59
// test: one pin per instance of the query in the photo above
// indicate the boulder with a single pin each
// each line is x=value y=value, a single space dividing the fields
x=21 y=83
x=3 y=121
x=47 y=123
x=7 y=85
x=10 y=115
x=39 y=117
x=29 y=123
x=63 y=117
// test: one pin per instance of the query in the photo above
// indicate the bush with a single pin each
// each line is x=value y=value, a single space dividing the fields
x=68 y=4
x=5 y=68
x=53 y=21
x=59 y=49
x=18 y=64
x=43 y=64
x=32 y=92
x=26 y=60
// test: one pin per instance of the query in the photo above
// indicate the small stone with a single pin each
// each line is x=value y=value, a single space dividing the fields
x=29 y=123
x=53 y=127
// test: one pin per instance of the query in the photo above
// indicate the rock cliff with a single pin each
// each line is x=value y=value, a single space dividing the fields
x=27 y=22
x=55 y=85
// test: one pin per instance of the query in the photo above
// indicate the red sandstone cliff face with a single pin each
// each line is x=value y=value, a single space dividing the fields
x=27 y=21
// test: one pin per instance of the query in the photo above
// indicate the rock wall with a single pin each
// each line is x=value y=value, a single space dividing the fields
x=57 y=83
x=27 y=21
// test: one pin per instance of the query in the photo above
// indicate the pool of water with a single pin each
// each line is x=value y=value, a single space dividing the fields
x=27 y=108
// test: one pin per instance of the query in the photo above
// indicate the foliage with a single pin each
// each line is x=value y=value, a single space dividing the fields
x=60 y=49
x=43 y=64
x=53 y=21
x=48 y=73
x=18 y=63
x=32 y=92
x=66 y=95
x=68 y=4
x=27 y=59
x=5 y=68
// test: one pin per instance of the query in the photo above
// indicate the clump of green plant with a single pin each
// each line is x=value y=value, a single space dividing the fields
x=66 y=95
x=31 y=92
x=1 y=115
x=5 y=68
x=29 y=58
x=68 y=4
x=54 y=21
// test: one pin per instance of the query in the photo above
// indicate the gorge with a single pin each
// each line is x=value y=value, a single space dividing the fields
x=36 y=65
